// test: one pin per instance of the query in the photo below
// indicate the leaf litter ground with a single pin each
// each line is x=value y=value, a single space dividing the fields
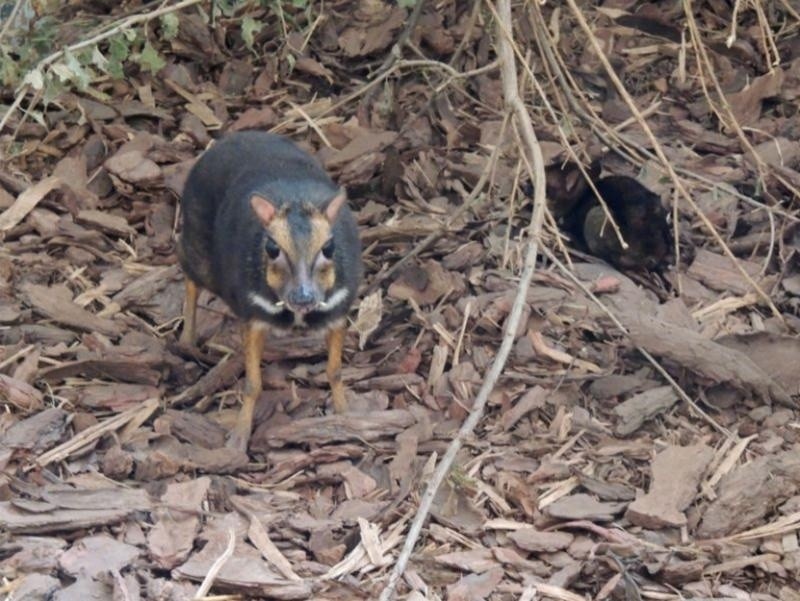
x=595 y=473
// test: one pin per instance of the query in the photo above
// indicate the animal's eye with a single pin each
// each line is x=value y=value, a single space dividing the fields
x=273 y=250
x=328 y=248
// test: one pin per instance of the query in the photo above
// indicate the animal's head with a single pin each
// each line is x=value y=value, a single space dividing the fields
x=299 y=250
x=649 y=223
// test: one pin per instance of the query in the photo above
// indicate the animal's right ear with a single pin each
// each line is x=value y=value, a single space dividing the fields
x=264 y=209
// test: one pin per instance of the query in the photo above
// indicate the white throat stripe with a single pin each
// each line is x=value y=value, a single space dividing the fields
x=334 y=300
x=266 y=305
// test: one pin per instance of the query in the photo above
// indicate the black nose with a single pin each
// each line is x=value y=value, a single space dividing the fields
x=302 y=298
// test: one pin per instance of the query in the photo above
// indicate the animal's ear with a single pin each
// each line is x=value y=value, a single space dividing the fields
x=331 y=209
x=264 y=209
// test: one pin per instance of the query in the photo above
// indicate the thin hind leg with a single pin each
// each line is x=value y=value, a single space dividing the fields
x=189 y=313
x=254 y=335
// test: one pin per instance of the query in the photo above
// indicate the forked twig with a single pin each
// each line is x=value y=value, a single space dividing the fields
x=531 y=147
x=617 y=141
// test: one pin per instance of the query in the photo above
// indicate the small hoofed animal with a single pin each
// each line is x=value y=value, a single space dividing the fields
x=638 y=212
x=266 y=229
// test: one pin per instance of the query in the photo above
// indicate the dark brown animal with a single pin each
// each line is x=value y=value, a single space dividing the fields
x=266 y=229
x=641 y=218
x=638 y=212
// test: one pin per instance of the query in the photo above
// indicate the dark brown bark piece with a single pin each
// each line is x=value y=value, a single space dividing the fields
x=642 y=407
x=125 y=370
x=177 y=522
x=95 y=555
x=224 y=374
x=18 y=521
x=38 y=432
x=193 y=428
x=105 y=222
x=35 y=587
x=246 y=571
x=703 y=356
x=584 y=507
x=166 y=457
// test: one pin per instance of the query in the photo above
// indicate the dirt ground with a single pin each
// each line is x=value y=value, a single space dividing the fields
x=642 y=441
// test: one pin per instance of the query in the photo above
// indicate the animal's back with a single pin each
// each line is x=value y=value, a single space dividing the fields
x=641 y=218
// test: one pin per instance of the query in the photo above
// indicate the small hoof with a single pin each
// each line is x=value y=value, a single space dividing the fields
x=339 y=403
x=237 y=440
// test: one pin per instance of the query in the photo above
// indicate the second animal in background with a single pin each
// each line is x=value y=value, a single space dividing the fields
x=637 y=211
x=268 y=231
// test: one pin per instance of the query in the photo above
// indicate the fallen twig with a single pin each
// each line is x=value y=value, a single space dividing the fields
x=523 y=122
x=92 y=433
x=208 y=581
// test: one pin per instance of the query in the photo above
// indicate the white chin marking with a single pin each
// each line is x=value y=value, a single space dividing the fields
x=266 y=305
x=334 y=300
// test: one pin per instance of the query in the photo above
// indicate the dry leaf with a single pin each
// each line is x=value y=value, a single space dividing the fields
x=369 y=317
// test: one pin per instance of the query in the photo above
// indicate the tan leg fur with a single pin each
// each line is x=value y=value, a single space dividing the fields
x=189 y=313
x=254 y=334
x=335 y=340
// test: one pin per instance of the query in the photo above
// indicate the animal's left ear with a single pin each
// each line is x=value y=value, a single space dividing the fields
x=331 y=209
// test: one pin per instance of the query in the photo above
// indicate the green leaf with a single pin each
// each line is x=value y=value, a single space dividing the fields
x=35 y=78
x=300 y=4
x=226 y=7
x=406 y=3
x=250 y=27
x=169 y=26
x=150 y=59
x=115 y=69
x=63 y=72
x=71 y=71
x=44 y=33
x=118 y=48
x=9 y=74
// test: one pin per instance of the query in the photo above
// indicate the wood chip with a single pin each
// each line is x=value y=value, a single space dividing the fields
x=677 y=472
x=642 y=407
x=26 y=202
x=336 y=428
x=55 y=302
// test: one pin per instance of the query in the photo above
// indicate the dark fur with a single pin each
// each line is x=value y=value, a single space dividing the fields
x=640 y=216
x=222 y=243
